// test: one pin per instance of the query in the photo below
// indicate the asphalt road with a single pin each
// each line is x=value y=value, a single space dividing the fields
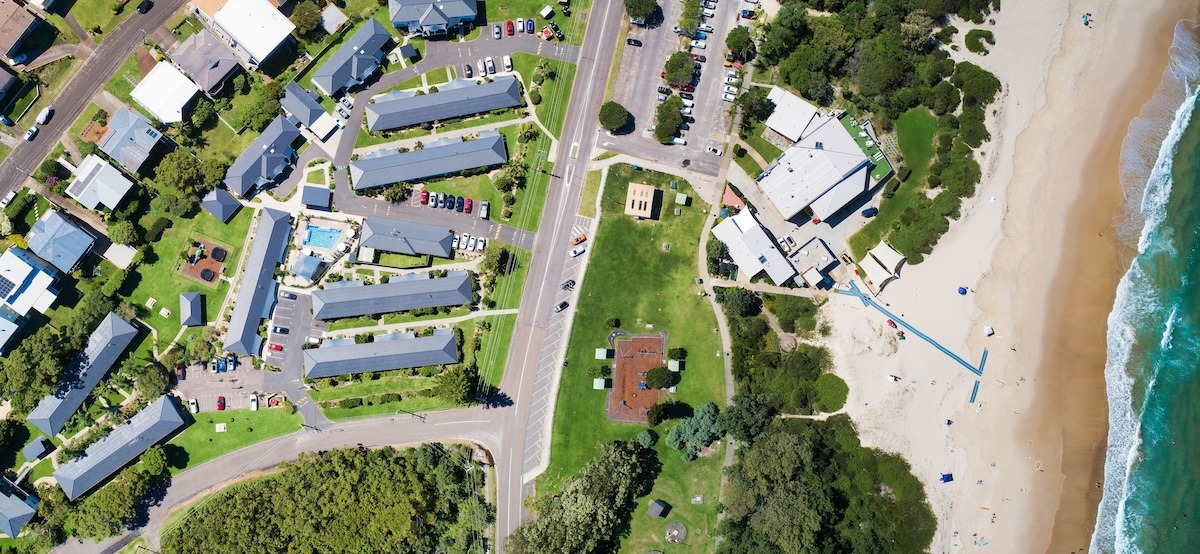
x=96 y=71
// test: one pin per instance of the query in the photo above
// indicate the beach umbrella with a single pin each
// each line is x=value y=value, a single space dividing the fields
x=962 y=291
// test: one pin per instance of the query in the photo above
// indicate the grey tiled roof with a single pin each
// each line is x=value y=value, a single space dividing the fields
x=431 y=12
x=301 y=104
x=398 y=295
x=191 y=309
x=381 y=355
x=355 y=60
x=220 y=204
x=16 y=508
x=316 y=196
x=104 y=347
x=256 y=296
x=406 y=237
x=393 y=166
x=504 y=92
x=264 y=159
x=36 y=448
x=206 y=60
x=130 y=139
x=59 y=240
x=125 y=443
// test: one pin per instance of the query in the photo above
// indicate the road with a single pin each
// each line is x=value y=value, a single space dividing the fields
x=96 y=71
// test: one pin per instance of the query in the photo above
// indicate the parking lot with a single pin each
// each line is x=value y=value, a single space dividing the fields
x=640 y=75
x=294 y=315
x=235 y=385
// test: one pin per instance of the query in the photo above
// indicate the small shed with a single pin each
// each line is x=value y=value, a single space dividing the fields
x=407 y=51
x=37 y=448
x=674 y=365
x=601 y=353
x=681 y=199
x=599 y=383
x=191 y=309
x=657 y=508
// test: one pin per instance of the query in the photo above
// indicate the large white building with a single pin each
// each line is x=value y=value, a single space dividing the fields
x=752 y=249
x=792 y=114
x=253 y=29
x=165 y=92
x=26 y=282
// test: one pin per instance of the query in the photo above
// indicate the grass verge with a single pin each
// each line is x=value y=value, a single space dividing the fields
x=201 y=442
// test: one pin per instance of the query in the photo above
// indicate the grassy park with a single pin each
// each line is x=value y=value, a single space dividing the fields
x=201 y=442
x=555 y=91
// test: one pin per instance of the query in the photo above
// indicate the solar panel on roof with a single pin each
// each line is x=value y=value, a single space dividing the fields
x=6 y=287
x=76 y=189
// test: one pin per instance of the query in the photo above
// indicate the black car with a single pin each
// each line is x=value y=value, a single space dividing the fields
x=288 y=295
x=633 y=42
x=450 y=201
x=145 y=6
x=568 y=284
x=468 y=71
x=561 y=306
x=689 y=119
x=686 y=96
x=664 y=90
x=458 y=204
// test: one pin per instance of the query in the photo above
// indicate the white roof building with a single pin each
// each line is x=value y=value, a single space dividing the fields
x=165 y=92
x=26 y=282
x=254 y=27
x=792 y=114
x=751 y=249
x=96 y=182
x=825 y=171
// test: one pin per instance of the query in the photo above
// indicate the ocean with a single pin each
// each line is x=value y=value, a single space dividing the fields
x=1151 y=497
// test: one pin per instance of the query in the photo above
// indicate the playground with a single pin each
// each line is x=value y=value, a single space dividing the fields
x=205 y=261
x=635 y=355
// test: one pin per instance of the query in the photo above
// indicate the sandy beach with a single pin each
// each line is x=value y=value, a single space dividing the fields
x=1036 y=249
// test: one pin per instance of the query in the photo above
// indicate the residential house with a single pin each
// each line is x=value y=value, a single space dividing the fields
x=752 y=249
x=16 y=22
x=256 y=296
x=60 y=240
x=403 y=237
x=395 y=113
x=317 y=197
x=17 y=507
x=206 y=60
x=27 y=282
x=387 y=352
x=400 y=294
x=302 y=106
x=445 y=157
x=130 y=139
x=220 y=204
x=265 y=159
x=165 y=92
x=431 y=17
x=8 y=80
x=98 y=183
x=354 y=61
x=10 y=323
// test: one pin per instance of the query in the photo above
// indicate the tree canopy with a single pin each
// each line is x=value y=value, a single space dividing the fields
x=739 y=42
x=668 y=119
x=123 y=232
x=679 y=68
x=613 y=116
x=306 y=16
x=640 y=8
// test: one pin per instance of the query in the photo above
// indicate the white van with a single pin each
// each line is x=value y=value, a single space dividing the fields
x=507 y=63
x=483 y=209
x=678 y=141
x=688 y=103
x=708 y=13
x=314 y=340
x=706 y=28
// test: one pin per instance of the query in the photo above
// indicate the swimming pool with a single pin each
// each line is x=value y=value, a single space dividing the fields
x=322 y=237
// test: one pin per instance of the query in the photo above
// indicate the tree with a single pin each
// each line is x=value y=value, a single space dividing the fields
x=679 y=68
x=739 y=302
x=306 y=17
x=457 y=384
x=678 y=353
x=203 y=113
x=497 y=261
x=5 y=225
x=123 y=232
x=154 y=462
x=201 y=347
x=213 y=172
x=669 y=118
x=697 y=431
x=182 y=172
x=747 y=419
x=658 y=413
x=739 y=42
x=105 y=512
x=785 y=32
x=396 y=193
x=755 y=105
x=647 y=438
x=152 y=381
x=640 y=8
x=613 y=116
x=661 y=378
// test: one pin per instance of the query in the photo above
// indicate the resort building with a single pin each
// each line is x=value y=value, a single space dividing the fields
x=16 y=508
x=382 y=234
x=302 y=106
x=256 y=296
x=98 y=183
x=16 y=22
x=191 y=309
x=396 y=113
x=317 y=197
x=822 y=173
x=253 y=29
x=354 y=61
x=752 y=249
x=640 y=201
x=165 y=92
x=307 y=268
x=27 y=282
x=104 y=347
x=130 y=139
x=431 y=17
x=220 y=204
x=60 y=240
x=387 y=352
x=123 y=445
x=265 y=159
x=400 y=294
x=436 y=159
x=207 y=60
x=792 y=115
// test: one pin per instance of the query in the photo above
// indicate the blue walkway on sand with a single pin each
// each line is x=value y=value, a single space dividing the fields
x=867 y=301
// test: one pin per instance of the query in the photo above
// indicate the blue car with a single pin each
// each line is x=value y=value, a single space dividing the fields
x=870 y=212
x=220 y=365
x=529 y=25
x=232 y=362
x=699 y=35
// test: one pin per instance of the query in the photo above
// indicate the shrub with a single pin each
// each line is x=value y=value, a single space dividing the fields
x=535 y=97
x=613 y=116
x=678 y=353
x=975 y=39
x=946 y=34
x=661 y=378
x=903 y=173
x=658 y=413
x=350 y=403
x=831 y=393
x=647 y=438
x=614 y=322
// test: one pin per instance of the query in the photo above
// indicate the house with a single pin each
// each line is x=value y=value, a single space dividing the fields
x=302 y=106
x=165 y=92
x=27 y=282
x=792 y=115
x=10 y=324
x=124 y=444
x=431 y=17
x=58 y=239
x=400 y=294
x=395 y=113
x=403 y=237
x=104 y=347
x=316 y=196
x=752 y=249
x=388 y=352
x=191 y=309
x=640 y=201
x=97 y=182
x=256 y=297
x=354 y=61
x=16 y=508
x=130 y=139
x=8 y=80
x=206 y=60
x=37 y=448
x=822 y=173
x=445 y=157
x=220 y=204
x=265 y=159
x=307 y=268
x=16 y=22
x=254 y=29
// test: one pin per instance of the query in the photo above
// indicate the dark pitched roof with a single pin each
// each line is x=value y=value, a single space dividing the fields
x=16 y=508
x=220 y=204
x=408 y=52
x=354 y=61
x=504 y=92
x=206 y=60
x=381 y=355
x=257 y=294
x=191 y=309
x=264 y=159
x=59 y=240
x=397 y=295
x=7 y=79
x=406 y=237
x=15 y=22
x=316 y=196
x=125 y=443
x=301 y=104
x=307 y=267
x=393 y=166
x=130 y=139
x=107 y=343
x=429 y=12
x=36 y=448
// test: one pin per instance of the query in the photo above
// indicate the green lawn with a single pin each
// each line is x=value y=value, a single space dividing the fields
x=407 y=317
x=915 y=130
x=415 y=82
x=315 y=177
x=748 y=165
x=660 y=293
x=591 y=187
x=201 y=441
x=184 y=27
x=477 y=121
x=126 y=77
x=882 y=166
x=352 y=323
x=555 y=92
x=222 y=143
x=531 y=199
x=20 y=97
x=494 y=354
x=98 y=13
x=391 y=259
x=508 y=287
x=438 y=76
x=53 y=77
x=763 y=146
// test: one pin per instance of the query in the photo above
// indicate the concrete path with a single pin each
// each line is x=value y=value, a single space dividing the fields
x=410 y=325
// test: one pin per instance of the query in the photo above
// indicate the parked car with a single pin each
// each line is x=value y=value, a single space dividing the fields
x=342 y=112
x=454 y=243
x=459 y=204
x=508 y=25
x=662 y=97
x=685 y=110
x=32 y=132
x=710 y=5
x=5 y=120
x=700 y=58
x=728 y=97
x=557 y=32
x=425 y=193
x=463 y=240
x=288 y=295
x=708 y=13
x=441 y=200
x=496 y=31
x=686 y=96
x=479 y=246
x=43 y=117
x=679 y=141
x=520 y=25
x=280 y=330
x=568 y=284
x=233 y=362
x=687 y=88
x=275 y=347
x=664 y=90
x=220 y=403
x=8 y=198
x=699 y=35
x=714 y=150
x=706 y=28
x=731 y=89
x=699 y=44
x=633 y=42
x=561 y=306
x=145 y=6
x=577 y=251
x=483 y=209
x=450 y=201
x=508 y=63
x=471 y=244
x=347 y=102
x=193 y=406
x=529 y=25
x=748 y=14
x=490 y=64
x=870 y=212
x=679 y=30
x=467 y=207
x=254 y=402
x=468 y=72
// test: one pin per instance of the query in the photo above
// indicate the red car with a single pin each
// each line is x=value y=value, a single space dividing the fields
x=275 y=347
x=467 y=206
x=424 y=197
x=220 y=403
x=510 y=28
x=687 y=88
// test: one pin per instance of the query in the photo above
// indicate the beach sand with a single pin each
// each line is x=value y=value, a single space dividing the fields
x=1036 y=244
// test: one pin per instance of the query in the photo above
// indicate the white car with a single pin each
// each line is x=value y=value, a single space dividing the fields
x=254 y=402
x=491 y=65
x=714 y=150
x=705 y=28
x=8 y=198
x=462 y=242
x=708 y=13
x=699 y=44
x=728 y=97
x=479 y=246
x=679 y=141
x=193 y=406
x=731 y=90
x=578 y=251
x=507 y=63
x=454 y=243
x=32 y=132
x=732 y=80
x=685 y=110
x=471 y=244
x=520 y=25
x=482 y=68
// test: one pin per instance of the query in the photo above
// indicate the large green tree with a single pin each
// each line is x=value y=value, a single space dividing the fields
x=640 y=8
x=306 y=16
x=679 y=68
x=123 y=232
x=739 y=42
x=181 y=172
x=613 y=116
x=668 y=119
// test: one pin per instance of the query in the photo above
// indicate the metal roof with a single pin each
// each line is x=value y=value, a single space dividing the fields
x=504 y=92
x=398 y=295
x=431 y=12
x=220 y=204
x=36 y=448
x=264 y=159
x=355 y=60
x=206 y=60
x=316 y=196
x=301 y=104
x=406 y=237
x=15 y=23
x=125 y=443
x=98 y=182
x=191 y=309
x=16 y=508
x=59 y=240
x=256 y=296
x=307 y=267
x=104 y=347
x=130 y=139
x=393 y=166
x=383 y=355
